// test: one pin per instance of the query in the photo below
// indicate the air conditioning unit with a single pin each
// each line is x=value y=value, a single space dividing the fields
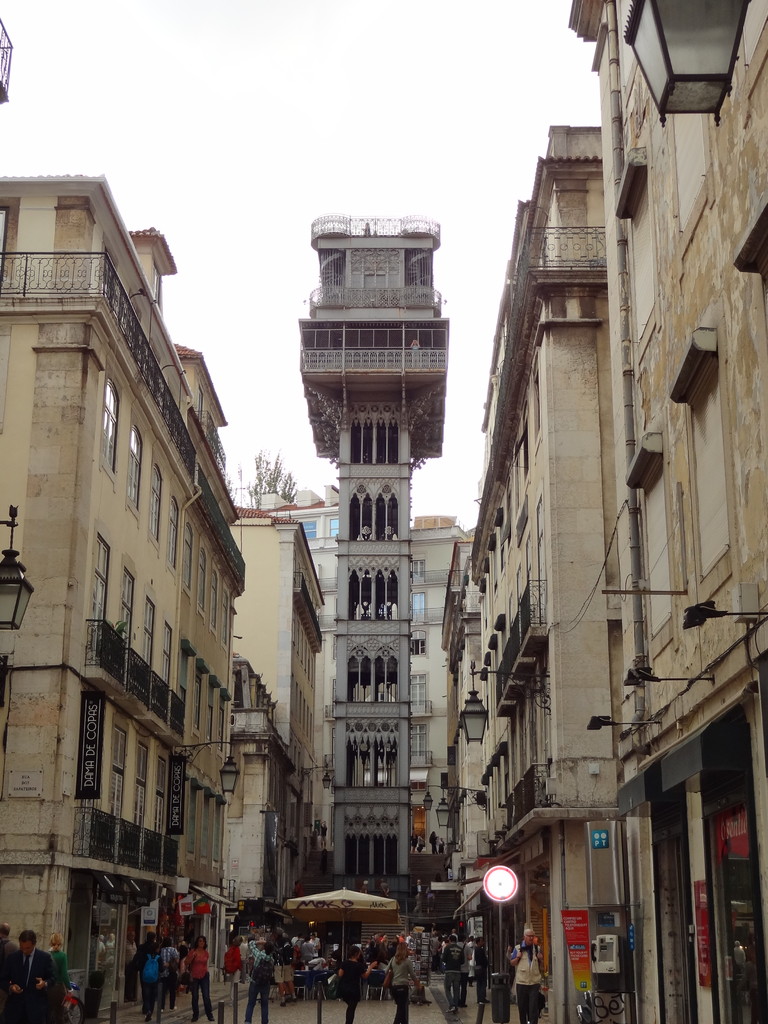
x=483 y=846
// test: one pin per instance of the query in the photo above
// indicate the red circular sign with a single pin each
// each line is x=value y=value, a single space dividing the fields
x=500 y=883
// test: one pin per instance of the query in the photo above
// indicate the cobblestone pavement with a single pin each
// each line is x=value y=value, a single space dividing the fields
x=306 y=1011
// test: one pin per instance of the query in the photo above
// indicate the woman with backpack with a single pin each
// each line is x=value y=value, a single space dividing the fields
x=262 y=977
x=150 y=976
x=197 y=965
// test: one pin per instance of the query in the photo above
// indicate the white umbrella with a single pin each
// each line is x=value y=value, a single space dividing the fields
x=344 y=905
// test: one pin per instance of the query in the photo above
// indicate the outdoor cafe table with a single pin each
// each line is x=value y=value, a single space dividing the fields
x=310 y=981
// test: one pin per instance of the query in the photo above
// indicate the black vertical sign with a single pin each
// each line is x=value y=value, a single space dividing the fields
x=178 y=776
x=89 y=754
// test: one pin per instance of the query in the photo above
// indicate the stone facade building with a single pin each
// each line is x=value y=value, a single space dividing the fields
x=686 y=231
x=109 y=444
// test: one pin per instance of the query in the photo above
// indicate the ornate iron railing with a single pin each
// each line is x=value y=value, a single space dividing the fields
x=102 y=836
x=221 y=528
x=170 y=855
x=568 y=248
x=6 y=49
x=213 y=439
x=176 y=712
x=421 y=758
x=389 y=359
x=389 y=227
x=158 y=696
x=408 y=297
x=533 y=606
x=530 y=791
x=95 y=834
x=138 y=677
x=129 y=844
x=106 y=648
x=151 y=850
x=36 y=275
x=421 y=707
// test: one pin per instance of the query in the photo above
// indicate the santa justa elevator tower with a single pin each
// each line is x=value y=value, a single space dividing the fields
x=374 y=357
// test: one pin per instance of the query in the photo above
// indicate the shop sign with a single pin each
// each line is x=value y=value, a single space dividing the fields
x=149 y=917
x=186 y=905
x=576 y=927
x=178 y=773
x=702 y=934
x=731 y=833
x=88 y=781
x=110 y=895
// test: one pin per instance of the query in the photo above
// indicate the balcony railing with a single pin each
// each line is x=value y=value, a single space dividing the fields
x=5 y=63
x=68 y=275
x=530 y=792
x=390 y=359
x=300 y=587
x=102 y=836
x=574 y=248
x=106 y=649
x=221 y=528
x=426 y=615
x=421 y=707
x=212 y=437
x=340 y=225
x=408 y=297
x=421 y=759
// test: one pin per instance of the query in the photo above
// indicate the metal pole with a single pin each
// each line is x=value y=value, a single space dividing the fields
x=235 y=988
x=113 y=1012
x=220 y=1014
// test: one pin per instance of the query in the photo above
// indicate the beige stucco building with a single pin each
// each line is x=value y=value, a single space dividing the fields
x=108 y=439
x=279 y=636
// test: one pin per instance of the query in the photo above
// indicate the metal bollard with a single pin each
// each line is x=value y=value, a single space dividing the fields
x=234 y=1001
x=320 y=1002
x=113 y=1012
x=480 y=1012
x=220 y=1014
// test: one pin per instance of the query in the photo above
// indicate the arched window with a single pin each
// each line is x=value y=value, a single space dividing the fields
x=134 y=466
x=393 y=442
x=109 y=425
x=173 y=531
x=154 y=502
x=367 y=453
x=356 y=453
x=202 y=581
x=186 y=563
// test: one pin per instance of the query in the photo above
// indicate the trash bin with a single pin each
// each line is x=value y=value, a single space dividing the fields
x=500 y=998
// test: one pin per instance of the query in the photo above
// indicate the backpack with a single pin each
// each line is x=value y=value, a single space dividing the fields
x=232 y=960
x=286 y=954
x=263 y=971
x=150 y=972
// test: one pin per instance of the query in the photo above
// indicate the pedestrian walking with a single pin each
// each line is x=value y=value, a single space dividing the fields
x=150 y=978
x=433 y=841
x=452 y=958
x=402 y=972
x=233 y=963
x=200 y=980
x=527 y=959
x=169 y=973
x=262 y=976
x=26 y=976
x=351 y=973
x=480 y=959
x=61 y=983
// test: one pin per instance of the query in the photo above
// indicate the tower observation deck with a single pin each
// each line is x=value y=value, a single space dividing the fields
x=374 y=358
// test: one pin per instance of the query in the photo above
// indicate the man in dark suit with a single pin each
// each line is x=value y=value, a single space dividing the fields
x=26 y=976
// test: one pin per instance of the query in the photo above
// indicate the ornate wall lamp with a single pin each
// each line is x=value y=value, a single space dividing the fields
x=15 y=588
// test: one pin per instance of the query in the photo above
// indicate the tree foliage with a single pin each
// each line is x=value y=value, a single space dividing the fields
x=271 y=478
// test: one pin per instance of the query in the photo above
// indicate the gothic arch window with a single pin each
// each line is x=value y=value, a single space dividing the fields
x=367 y=447
x=360 y=595
x=393 y=442
x=360 y=518
x=381 y=441
x=356 y=437
x=386 y=595
x=386 y=517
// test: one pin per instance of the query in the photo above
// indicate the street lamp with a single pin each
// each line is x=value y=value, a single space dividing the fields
x=15 y=588
x=427 y=802
x=474 y=718
x=442 y=812
x=478 y=796
x=687 y=50
x=229 y=773
x=327 y=779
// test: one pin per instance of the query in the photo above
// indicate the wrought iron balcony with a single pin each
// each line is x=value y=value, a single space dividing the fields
x=212 y=437
x=158 y=696
x=138 y=677
x=530 y=792
x=305 y=604
x=572 y=248
x=339 y=225
x=176 y=712
x=421 y=707
x=221 y=528
x=421 y=759
x=408 y=297
x=6 y=49
x=102 y=836
x=40 y=275
x=106 y=648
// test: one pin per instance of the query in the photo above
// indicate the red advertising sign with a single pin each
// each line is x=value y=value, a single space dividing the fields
x=731 y=833
x=702 y=934
x=576 y=928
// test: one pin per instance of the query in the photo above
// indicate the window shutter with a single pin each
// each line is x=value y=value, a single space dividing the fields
x=709 y=461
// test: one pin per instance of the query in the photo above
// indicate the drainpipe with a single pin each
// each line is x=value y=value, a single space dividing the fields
x=182 y=525
x=628 y=374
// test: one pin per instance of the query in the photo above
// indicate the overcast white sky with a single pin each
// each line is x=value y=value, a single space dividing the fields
x=230 y=127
